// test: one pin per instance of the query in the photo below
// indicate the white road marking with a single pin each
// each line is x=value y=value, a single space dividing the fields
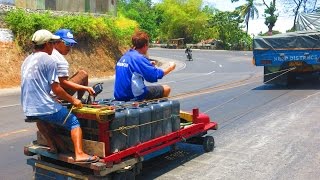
x=210 y=72
x=205 y=74
x=12 y=105
x=220 y=65
x=13 y=132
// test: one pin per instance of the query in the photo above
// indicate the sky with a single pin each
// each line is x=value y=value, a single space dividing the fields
x=284 y=22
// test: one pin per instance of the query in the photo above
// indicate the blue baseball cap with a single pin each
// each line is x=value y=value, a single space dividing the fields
x=66 y=35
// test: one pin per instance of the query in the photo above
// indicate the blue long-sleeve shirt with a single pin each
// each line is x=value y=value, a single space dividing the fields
x=131 y=71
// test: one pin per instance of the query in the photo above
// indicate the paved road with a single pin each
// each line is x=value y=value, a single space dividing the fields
x=266 y=132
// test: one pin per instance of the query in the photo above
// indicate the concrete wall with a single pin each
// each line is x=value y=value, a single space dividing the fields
x=92 y=6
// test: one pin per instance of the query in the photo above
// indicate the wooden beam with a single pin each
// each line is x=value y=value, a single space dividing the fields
x=186 y=116
x=89 y=147
x=69 y=158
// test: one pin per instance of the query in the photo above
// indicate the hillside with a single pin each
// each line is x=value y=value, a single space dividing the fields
x=97 y=58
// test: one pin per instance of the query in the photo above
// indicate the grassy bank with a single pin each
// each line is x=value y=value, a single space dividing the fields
x=101 y=41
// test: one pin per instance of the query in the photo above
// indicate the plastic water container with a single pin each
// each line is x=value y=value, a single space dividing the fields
x=156 y=116
x=144 y=121
x=166 y=122
x=117 y=104
x=104 y=101
x=132 y=119
x=175 y=117
x=117 y=139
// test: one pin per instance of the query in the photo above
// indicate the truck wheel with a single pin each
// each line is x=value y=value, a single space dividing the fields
x=208 y=143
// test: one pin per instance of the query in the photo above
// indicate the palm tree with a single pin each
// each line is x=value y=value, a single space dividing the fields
x=248 y=11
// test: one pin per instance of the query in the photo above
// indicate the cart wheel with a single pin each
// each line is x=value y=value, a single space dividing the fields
x=174 y=147
x=208 y=143
x=124 y=175
x=119 y=176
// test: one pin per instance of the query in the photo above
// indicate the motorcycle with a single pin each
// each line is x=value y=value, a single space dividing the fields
x=188 y=53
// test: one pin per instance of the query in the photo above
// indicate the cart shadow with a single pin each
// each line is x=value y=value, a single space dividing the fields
x=162 y=164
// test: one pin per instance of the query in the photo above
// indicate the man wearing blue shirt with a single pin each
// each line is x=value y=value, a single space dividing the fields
x=133 y=68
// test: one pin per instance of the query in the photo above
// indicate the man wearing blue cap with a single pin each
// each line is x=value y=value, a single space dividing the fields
x=38 y=78
x=79 y=81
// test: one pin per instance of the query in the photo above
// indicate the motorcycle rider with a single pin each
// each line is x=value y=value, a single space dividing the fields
x=188 y=53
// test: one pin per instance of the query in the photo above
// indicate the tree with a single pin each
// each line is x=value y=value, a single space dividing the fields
x=248 y=11
x=300 y=6
x=228 y=30
x=271 y=17
x=182 y=19
x=143 y=12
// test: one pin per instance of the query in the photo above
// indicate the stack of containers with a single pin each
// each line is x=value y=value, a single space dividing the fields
x=166 y=118
x=175 y=112
x=156 y=116
x=118 y=140
x=146 y=121
x=132 y=121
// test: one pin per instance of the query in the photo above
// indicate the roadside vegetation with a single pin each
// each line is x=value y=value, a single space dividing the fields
x=85 y=27
x=103 y=39
x=189 y=19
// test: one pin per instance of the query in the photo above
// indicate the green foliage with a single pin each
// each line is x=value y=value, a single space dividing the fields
x=188 y=19
x=273 y=33
x=123 y=29
x=87 y=27
x=248 y=11
x=23 y=25
x=226 y=25
x=142 y=12
x=166 y=20
x=182 y=19
x=271 y=17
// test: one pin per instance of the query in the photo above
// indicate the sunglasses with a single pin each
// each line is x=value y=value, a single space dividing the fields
x=68 y=43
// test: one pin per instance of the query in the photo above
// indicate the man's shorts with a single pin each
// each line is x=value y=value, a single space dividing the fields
x=154 y=92
x=59 y=117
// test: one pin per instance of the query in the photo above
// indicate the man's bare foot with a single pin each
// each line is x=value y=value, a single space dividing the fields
x=85 y=158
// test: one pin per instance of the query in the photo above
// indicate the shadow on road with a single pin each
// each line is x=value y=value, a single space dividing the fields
x=160 y=165
x=311 y=82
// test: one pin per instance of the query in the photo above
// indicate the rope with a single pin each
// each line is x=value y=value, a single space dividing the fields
x=286 y=71
x=280 y=71
x=164 y=98
x=123 y=129
x=65 y=120
x=99 y=112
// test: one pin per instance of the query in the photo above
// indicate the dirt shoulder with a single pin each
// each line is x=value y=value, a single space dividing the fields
x=97 y=58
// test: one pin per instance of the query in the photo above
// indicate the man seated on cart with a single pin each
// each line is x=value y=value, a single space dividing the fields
x=133 y=68
x=77 y=82
x=38 y=78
